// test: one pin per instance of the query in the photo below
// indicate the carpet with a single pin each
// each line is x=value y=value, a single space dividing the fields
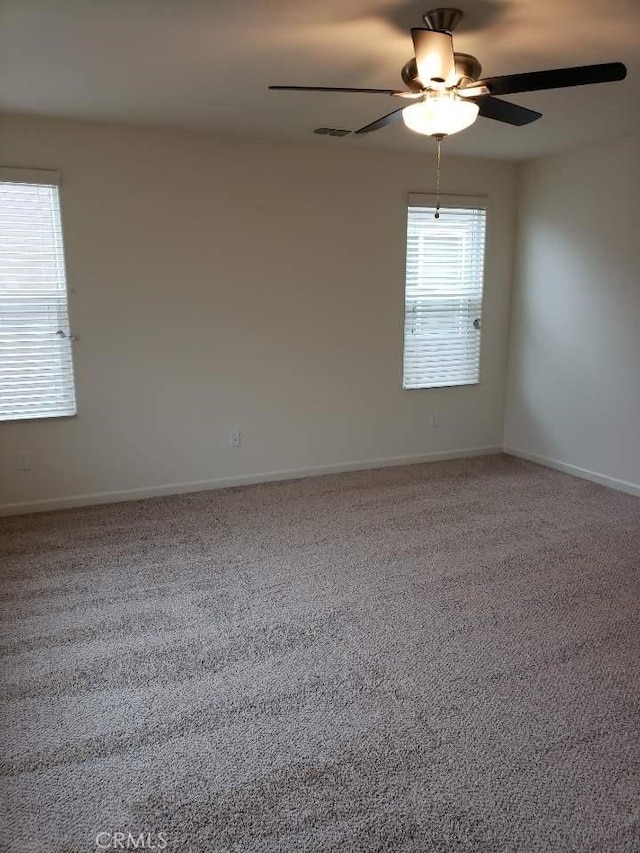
x=439 y=657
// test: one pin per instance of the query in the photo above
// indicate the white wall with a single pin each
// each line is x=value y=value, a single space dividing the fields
x=574 y=376
x=221 y=283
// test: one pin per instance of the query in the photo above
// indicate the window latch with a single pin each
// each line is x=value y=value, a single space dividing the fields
x=477 y=323
x=62 y=334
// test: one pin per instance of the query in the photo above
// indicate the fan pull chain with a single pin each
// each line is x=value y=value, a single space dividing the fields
x=438 y=137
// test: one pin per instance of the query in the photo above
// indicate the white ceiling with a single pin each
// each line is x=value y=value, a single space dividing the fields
x=207 y=64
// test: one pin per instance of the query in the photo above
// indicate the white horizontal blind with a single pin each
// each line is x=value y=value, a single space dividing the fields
x=36 y=369
x=443 y=296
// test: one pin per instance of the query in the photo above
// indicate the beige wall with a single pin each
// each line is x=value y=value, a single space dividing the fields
x=220 y=283
x=574 y=379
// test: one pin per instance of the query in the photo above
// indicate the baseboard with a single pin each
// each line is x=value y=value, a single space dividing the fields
x=584 y=473
x=72 y=501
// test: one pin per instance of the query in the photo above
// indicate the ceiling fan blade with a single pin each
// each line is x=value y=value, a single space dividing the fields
x=505 y=111
x=434 y=57
x=557 y=78
x=381 y=122
x=333 y=89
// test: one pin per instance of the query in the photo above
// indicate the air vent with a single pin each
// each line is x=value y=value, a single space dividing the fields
x=331 y=131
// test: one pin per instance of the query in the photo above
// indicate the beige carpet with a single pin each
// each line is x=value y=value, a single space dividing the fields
x=439 y=657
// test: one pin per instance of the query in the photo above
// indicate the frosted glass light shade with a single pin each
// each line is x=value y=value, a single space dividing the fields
x=441 y=113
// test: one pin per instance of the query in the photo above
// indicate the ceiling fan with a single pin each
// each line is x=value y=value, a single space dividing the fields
x=447 y=89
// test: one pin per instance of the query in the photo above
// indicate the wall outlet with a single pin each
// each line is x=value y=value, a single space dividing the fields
x=434 y=420
x=24 y=463
x=235 y=439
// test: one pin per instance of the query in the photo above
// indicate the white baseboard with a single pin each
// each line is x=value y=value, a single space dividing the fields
x=243 y=480
x=584 y=473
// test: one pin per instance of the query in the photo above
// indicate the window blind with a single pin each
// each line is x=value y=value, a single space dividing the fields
x=443 y=296
x=36 y=369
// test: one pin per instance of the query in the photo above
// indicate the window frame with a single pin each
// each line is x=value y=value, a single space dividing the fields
x=49 y=178
x=430 y=200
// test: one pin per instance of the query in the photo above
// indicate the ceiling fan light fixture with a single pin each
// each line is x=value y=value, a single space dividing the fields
x=434 y=59
x=440 y=114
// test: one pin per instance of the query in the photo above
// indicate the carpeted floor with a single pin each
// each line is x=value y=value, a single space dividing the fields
x=439 y=657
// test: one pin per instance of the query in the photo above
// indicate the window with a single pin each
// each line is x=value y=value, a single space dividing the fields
x=443 y=293
x=36 y=369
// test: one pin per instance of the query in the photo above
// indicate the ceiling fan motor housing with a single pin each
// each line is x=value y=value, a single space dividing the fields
x=468 y=68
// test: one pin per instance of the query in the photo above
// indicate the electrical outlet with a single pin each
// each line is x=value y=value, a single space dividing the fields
x=434 y=420
x=23 y=460
x=235 y=438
